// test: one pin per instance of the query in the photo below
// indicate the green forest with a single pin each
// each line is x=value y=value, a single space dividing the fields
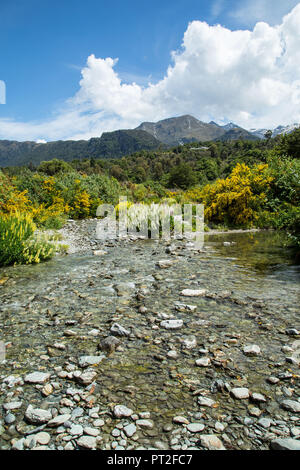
x=241 y=183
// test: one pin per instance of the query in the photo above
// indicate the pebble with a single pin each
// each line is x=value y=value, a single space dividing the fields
x=37 y=377
x=193 y=292
x=86 y=361
x=252 y=350
x=87 y=442
x=204 y=401
x=291 y=405
x=42 y=438
x=37 y=415
x=145 y=423
x=180 y=420
x=211 y=442
x=195 y=427
x=203 y=362
x=171 y=324
x=59 y=420
x=240 y=393
x=121 y=411
x=285 y=444
x=130 y=430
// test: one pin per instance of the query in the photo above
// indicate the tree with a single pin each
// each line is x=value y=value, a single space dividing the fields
x=268 y=135
x=182 y=176
x=54 y=166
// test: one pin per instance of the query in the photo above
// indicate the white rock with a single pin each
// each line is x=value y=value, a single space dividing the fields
x=86 y=361
x=240 y=393
x=121 y=411
x=37 y=415
x=87 y=442
x=75 y=430
x=171 y=324
x=13 y=405
x=252 y=350
x=204 y=401
x=37 y=377
x=285 y=444
x=193 y=292
x=291 y=405
x=91 y=431
x=203 y=362
x=180 y=420
x=164 y=263
x=195 y=427
x=42 y=438
x=130 y=430
x=181 y=307
x=145 y=423
x=59 y=420
x=189 y=342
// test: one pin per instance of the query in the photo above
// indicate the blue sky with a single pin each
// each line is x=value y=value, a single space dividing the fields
x=45 y=46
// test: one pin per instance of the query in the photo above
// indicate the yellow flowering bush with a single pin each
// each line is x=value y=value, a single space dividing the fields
x=18 y=242
x=237 y=199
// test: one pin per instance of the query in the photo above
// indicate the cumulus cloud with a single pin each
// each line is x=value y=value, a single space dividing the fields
x=251 y=77
x=251 y=11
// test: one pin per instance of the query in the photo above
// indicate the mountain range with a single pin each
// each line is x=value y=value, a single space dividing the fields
x=147 y=136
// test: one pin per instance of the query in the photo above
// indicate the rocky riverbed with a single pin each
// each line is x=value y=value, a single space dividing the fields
x=139 y=344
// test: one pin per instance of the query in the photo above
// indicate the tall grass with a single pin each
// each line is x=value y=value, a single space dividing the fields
x=19 y=244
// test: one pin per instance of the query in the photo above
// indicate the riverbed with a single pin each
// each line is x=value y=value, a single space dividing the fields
x=205 y=351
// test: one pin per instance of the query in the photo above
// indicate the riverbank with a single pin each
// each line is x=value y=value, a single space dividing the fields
x=151 y=345
x=80 y=236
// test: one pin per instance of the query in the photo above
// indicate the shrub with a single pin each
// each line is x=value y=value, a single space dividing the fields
x=237 y=199
x=19 y=244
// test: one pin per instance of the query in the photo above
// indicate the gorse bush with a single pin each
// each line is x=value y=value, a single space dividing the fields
x=240 y=183
x=237 y=199
x=19 y=244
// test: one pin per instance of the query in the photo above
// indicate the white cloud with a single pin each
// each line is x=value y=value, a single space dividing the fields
x=252 y=11
x=249 y=77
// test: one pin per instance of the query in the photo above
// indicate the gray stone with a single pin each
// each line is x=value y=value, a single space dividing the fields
x=87 y=442
x=87 y=377
x=145 y=423
x=291 y=405
x=252 y=350
x=37 y=415
x=204 y=401
x=86 y=361
x=13 y=405
x=118 y=330
x=203 y=362
x=109 y=344
x=211 y=442
x=171 y=324
x=121 y=411
x=195 y=427
x=180 y=420
x=130 y=430
x=285 y=444
x=59 y=420
x=240 y=393
x=37 y=377
x=194 y=292
x=75 y=430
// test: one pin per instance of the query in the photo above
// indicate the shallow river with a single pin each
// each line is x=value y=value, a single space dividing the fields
x=252 y=297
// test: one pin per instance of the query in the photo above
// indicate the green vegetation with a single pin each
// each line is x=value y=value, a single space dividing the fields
x=109 y=145
x=241 y=183
x=19 y=244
